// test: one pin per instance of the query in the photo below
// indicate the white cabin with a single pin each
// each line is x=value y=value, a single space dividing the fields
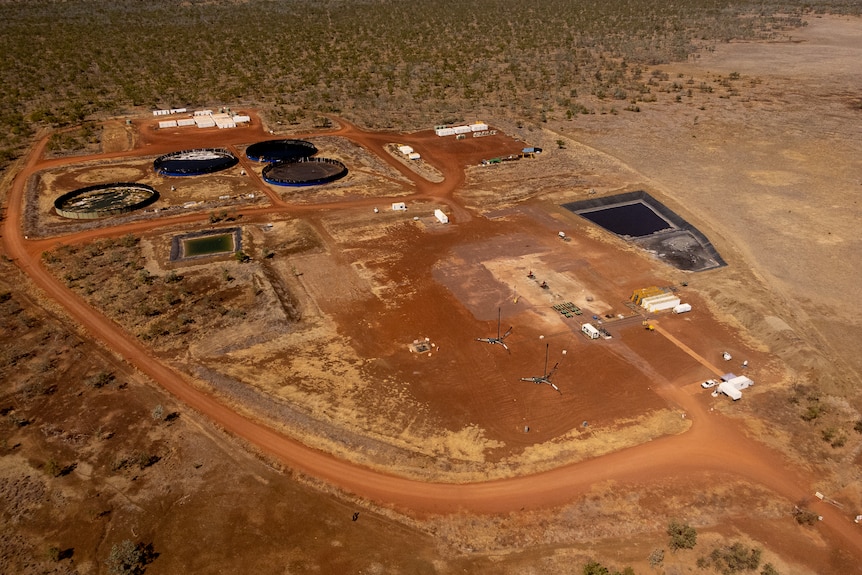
x=590 y=331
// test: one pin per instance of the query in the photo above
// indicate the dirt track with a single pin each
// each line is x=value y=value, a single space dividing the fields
x=690 y=453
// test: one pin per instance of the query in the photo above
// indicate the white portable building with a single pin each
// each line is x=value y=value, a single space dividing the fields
x=399 y=206
x=405 y=150
x=660 y=302
x=167 y=124
x=664 y=305
x=441 y=217
x=682 y=308
x=445 y=131
x=478 y=127
x=223 y=121
x=186 y=122
x=729 y=390
x=203 y=113
x=590 y=331
x=462 y=129
x=242 y=119
x=178 y=110
x=646 y=301
x=740 y=382
x=413 y=156
x=204 y=121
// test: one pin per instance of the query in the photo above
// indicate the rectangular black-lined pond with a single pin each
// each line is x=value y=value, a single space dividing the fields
x=646 y=222
x=634 y=220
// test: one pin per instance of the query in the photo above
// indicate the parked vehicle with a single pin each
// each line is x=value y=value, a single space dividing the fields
x=709 y=383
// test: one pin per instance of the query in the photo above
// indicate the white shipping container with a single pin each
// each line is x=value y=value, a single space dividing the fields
x=682 y=308
x=445 y=132
x=186 y=122
x=441 y=217
x=663 y=305
x=461 y=129
x=478 y=127
x=590 y=331
x=413 y=156
x=167 y=124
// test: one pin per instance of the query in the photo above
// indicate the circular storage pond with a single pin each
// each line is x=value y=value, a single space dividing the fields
x=103 y=200
x=194 y=162
x=305 y=172
x=280 y=151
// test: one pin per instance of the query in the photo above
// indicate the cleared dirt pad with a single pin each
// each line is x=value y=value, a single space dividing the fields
x=312 y=339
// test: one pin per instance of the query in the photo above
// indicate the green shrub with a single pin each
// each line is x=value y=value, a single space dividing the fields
x=682 y=536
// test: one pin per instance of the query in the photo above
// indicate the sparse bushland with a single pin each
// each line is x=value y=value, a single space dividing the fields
x=164 y=310
x=302 y=60
x=733 y=559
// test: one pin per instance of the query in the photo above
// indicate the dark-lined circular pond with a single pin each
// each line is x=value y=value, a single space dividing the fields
x=641 y=219
x=304 y=172
x=194 y=162
x=280 y=150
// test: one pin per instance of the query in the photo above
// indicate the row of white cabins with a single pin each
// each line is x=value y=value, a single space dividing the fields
x=201 y=119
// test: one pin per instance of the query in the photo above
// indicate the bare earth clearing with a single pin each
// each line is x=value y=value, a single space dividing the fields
x=302 y=355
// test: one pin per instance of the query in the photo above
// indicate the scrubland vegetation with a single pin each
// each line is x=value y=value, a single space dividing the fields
x=67 y=62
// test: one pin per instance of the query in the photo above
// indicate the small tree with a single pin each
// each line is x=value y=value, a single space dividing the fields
x=805 y=517
x=126 y=558
x=52 y=468
x=595 y=568
x=682 y=536
x=158 y=413
x=656 y=558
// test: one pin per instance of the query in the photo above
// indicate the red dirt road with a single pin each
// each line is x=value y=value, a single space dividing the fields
x=713 y=444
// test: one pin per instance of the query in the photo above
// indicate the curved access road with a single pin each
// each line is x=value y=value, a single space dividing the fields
x=695 y=452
